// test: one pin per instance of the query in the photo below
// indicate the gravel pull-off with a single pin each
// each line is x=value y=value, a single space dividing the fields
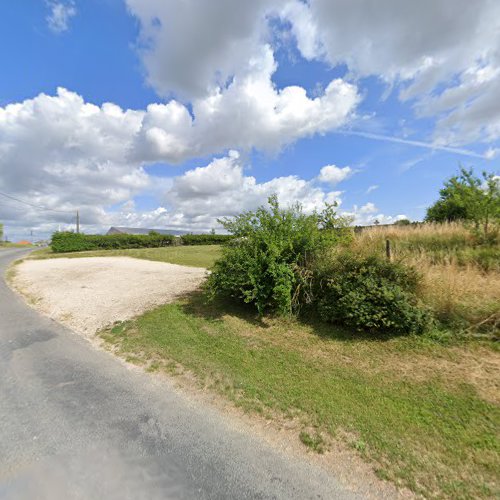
x=88 y=294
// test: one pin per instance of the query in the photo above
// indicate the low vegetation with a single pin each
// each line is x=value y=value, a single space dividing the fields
x=460 y=273
x=369 y=293
x=424 y=413
x=270 y=260
x=286 y=262
x=8 y=244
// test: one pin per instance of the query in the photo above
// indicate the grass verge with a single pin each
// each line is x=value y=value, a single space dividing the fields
x=5 y=246
x=195 y=256
x=424 y=413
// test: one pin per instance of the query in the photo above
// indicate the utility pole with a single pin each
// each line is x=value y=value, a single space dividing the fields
x=77 y=221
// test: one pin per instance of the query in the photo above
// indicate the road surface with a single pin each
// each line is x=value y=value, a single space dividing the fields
x=76 y=423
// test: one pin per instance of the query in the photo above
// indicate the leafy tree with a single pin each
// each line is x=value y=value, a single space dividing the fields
x=267 y=262
x=1 y=232
x=469 y=198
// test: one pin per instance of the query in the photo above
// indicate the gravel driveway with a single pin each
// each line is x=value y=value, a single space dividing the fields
x=87 y=294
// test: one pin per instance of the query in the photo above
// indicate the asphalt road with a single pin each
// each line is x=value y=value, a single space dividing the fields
x=76 y=423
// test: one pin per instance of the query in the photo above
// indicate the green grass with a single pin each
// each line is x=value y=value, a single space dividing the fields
x=425 y=414
x=196 y=256
x=13 y=245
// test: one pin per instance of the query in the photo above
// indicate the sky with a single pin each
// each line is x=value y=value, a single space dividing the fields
x=174 y=113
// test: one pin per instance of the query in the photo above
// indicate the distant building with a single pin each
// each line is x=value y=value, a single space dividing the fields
x=142 y=230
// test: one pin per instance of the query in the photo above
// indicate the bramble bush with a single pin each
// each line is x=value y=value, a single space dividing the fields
x=272 y=247
x=370 y=293
x=77 y=242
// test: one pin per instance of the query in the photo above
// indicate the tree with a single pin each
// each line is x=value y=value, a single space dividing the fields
x=1 y=232
x=467 y=197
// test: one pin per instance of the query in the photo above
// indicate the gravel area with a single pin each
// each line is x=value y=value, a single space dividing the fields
x=87 y=294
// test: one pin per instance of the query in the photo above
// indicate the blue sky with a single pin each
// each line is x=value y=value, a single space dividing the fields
x=400 y=123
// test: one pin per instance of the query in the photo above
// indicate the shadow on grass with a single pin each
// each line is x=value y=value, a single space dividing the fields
x=197 y=304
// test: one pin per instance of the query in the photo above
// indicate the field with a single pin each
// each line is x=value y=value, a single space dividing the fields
x=461 y=280
x=196 y=256
x=423 y=410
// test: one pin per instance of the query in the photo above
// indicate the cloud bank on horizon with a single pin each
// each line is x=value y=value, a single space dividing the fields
x=215 y=68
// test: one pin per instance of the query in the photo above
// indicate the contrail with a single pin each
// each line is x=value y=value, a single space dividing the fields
x=409 y=142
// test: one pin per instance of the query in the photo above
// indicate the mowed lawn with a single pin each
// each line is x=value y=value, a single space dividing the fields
x=426 y=415
x=196 y=256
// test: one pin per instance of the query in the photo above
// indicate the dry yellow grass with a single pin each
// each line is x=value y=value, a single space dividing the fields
x=462 y=292
x=461 y=280
x=419 y=239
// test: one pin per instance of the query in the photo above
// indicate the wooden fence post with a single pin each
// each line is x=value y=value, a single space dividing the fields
x=388 y=250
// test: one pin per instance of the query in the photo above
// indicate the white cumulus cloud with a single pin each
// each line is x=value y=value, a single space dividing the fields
x=60 y=15
x=249 y=113
x=331 y=174
x=443 y=54
x=222 y=189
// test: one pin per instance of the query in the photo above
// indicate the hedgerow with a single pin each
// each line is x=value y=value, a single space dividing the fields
x=205 y=239
x=77 y=242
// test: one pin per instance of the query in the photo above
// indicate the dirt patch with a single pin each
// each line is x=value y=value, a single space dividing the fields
x=88 y=294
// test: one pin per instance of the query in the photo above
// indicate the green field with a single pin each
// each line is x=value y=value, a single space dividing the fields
x=196 y=256
x=425 y=414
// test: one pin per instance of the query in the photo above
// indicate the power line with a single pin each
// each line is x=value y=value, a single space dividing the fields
x=11 y=207
x=39 y=207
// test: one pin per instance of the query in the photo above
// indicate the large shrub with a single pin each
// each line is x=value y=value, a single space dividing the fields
x=78 y=242
x=266 y=263
x=205 y=239
x=369 y=293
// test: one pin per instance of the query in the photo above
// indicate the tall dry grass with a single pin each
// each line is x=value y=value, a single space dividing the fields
x=461 y=278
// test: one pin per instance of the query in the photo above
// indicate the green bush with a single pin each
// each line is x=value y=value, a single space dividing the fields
x=205 y=239
x=266 y=264
x=370 y=293
x=78 y=242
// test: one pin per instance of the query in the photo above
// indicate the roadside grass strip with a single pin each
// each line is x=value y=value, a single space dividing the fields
x=424 y=413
